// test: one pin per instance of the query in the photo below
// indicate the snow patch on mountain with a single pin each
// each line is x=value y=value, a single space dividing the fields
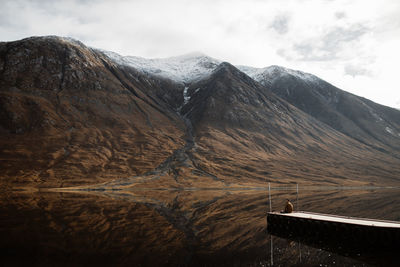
x=391 y=131
x=186 y=96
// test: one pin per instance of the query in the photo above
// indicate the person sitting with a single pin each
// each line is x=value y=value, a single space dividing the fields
x=288 y=207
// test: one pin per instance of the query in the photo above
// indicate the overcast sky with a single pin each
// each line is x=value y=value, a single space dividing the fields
x=354 y=45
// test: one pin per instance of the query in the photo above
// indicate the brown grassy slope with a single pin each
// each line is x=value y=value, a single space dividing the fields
x=68 y=116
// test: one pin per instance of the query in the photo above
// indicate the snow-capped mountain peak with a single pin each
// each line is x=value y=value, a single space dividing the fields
x=196 y=65
x=269 y=74
x=184 y=68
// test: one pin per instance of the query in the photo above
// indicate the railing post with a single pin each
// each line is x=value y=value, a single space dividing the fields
x=272 y=251
x=269 y=194
x=297 y=197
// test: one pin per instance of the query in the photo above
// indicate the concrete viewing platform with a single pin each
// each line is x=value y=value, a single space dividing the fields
x=325 y=230
x=340 y=219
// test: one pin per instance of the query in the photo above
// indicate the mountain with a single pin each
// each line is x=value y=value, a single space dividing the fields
x=354 y=116
x=72 y=115
x=359 y=118
x=242 y=129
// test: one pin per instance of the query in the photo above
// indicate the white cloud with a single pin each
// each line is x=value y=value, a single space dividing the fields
x=281 y=24
x=352 y=44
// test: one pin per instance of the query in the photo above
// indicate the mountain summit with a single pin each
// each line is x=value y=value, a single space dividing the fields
x=77 y=116
x=182 y=69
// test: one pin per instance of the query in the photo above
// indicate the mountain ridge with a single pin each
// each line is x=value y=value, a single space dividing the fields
x=86 y=119
x=306 y=87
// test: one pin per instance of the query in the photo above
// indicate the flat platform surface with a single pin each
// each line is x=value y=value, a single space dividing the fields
x=340 y=219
